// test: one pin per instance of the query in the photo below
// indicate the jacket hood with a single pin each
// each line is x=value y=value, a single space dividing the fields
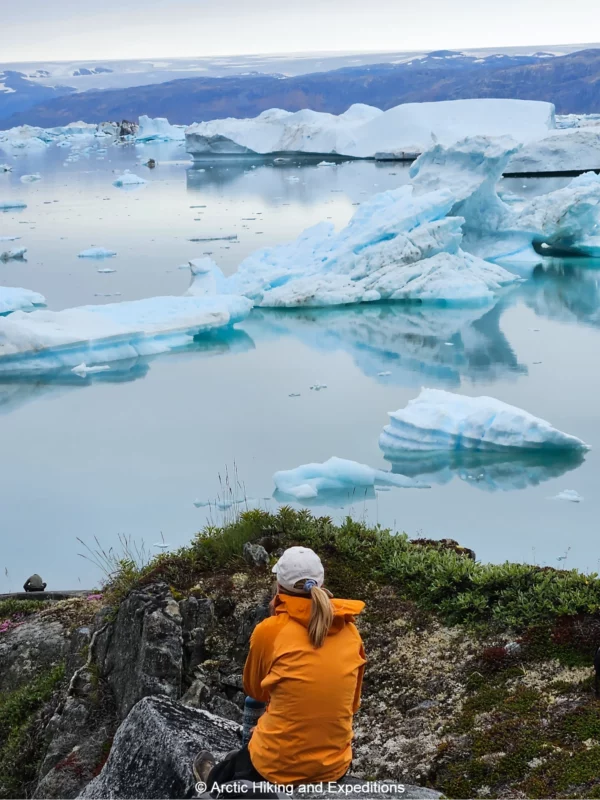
x=298 y=609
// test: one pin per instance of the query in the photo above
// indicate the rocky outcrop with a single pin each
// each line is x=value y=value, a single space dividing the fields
x=30 y=649
x=154 y=748
x=141 y=652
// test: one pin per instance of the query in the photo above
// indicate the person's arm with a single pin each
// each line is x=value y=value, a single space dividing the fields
x=359 y=681
x=260 y=658
x=26 y=585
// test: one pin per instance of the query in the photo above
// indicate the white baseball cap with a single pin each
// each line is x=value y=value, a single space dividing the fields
x=298 y=564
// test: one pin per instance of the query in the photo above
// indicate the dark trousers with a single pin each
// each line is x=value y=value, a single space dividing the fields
x=236 y=766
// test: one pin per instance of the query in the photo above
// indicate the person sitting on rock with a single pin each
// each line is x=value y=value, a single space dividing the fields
x=34 y=584
x=306 y=661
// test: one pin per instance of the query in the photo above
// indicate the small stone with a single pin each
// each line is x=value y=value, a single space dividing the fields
x=255 y=555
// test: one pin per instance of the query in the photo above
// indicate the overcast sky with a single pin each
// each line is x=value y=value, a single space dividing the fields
x=38 y=30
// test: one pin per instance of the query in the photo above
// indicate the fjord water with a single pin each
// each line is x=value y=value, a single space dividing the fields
x=129 y=451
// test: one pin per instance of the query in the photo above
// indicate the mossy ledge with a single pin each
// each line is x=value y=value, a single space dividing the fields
x=480 y=678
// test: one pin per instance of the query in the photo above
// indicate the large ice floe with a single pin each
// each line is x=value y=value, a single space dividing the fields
x=439 y=420
x=364 y=132
x=13 y=299
x=397 y=246
x=337 y=475
x=44 y=340
x=561 y=151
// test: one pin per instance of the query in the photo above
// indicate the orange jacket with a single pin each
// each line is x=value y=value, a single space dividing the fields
x=305 y=734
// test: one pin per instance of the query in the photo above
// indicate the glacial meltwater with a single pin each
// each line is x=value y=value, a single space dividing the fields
x=131 y=450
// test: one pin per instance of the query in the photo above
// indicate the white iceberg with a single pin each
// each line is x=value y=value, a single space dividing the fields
x=562 y=151
x=31 y=178
x=336 y=475
x=7 y=205
x=5 y=168
x=128 y=179
x=97 y=252
x=159 y=129
x=397 y=246
x=45 y=340
x=13 y=255
x=439 y=420
x=365 y=132
x=13 y=299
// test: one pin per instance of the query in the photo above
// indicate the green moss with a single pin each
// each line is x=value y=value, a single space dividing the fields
x=582 y=723
x=443 y=580
x=25 y=607
x=19 y=752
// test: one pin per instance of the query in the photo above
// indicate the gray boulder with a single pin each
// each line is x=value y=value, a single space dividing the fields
x=33 y=648
x=255 y=555
x=154 y=748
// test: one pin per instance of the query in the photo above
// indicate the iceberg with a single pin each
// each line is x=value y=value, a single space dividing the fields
x=398 y=246
x=97 y=252
x=500 y=231
x=159 y=129
x=13 y=299
x=562 y=151
x=128 y=179
x=439 y=420
x=31 y=178
x=366 y=132
x=44 y=340
x=336 y=475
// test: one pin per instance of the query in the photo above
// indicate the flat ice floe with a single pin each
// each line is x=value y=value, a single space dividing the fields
x=46 y=340
x=363 y=131
x=337 y=475
x=97 y=252
x=13 y=299
x=397 y=246
x=439 y=420
x=16 y=254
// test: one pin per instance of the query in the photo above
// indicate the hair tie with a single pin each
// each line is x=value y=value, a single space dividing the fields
x=308 y=585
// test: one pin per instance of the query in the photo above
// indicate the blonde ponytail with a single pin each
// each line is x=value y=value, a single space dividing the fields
x=321 y=612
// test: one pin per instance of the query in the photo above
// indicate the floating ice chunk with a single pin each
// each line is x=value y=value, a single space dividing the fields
x=106 y=270
x=46 y=340
x=83 y=369
x=97 y=252
x=7 y=205
x=335 y=475
x=397 y=246
x=569 y=494
x=326 y=164
x=31 y=178
x=383 y=374
x=438 y=420
x=13 y=255
x=9 y=238
x=128 y=179
x=318 y=386
x=294 y=394
x=161 y=545
x=13 y=299
x=5 y=168
x=159 y=129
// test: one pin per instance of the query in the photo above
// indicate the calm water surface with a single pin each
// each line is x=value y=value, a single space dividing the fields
x=130 y=451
